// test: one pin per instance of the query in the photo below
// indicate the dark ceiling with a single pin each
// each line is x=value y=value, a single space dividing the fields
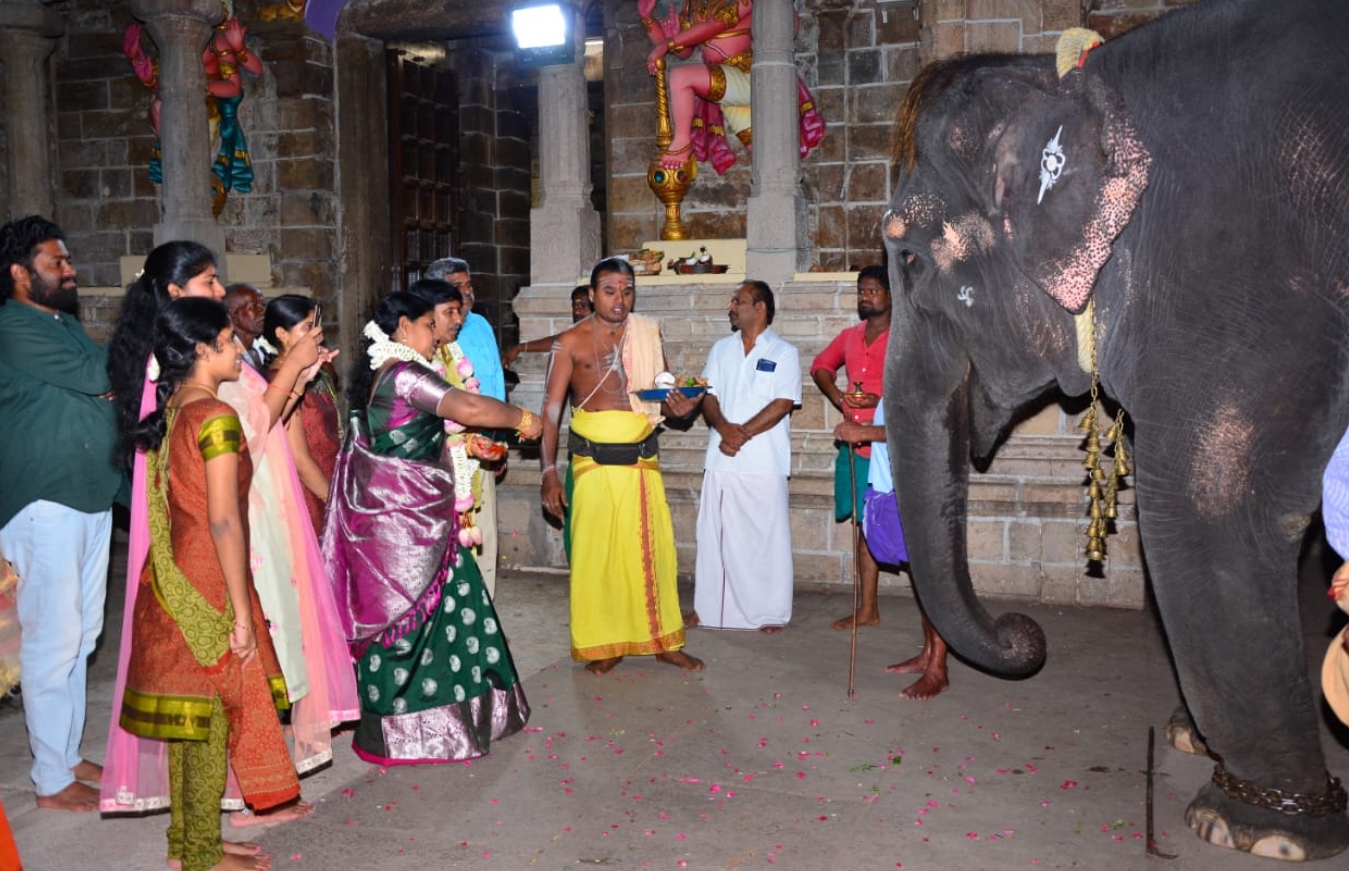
x=435 y=20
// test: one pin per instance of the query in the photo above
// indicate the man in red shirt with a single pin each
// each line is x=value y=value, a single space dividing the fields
x=860 y=351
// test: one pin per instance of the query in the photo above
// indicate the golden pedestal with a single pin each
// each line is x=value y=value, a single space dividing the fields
x=669 y=185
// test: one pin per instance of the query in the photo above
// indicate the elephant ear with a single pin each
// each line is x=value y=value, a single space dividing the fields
x=1070 y=168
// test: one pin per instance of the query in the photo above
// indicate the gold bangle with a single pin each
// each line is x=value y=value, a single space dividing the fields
x=669 y=44
x=647 y=21
x=526 y=419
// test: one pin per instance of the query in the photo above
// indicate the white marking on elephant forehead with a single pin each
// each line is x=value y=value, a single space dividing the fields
x=1052 y=161
x=966 y=295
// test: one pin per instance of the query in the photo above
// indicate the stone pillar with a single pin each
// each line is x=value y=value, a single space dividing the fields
x=27 y=36
x=564 y=231
x=775 y=220
x=180 y=28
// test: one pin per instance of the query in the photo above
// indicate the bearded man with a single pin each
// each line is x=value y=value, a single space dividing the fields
x=57 y=485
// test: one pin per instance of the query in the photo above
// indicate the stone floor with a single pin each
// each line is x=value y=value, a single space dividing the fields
x=763 y=759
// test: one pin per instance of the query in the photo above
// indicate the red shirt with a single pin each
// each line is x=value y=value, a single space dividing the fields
x=861 y=362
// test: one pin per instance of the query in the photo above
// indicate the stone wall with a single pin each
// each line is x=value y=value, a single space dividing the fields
x=496 y=112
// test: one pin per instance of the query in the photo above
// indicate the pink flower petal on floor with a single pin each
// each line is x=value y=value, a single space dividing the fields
x=295 y=857
x=1068 y=784
x=973 y=836
x=800 y=775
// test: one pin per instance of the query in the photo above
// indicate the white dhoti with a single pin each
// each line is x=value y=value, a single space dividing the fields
x=743 y=576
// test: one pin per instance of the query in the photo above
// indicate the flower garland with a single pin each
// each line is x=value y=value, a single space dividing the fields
x=265 y=345
x=383 y=349
x=467 y=489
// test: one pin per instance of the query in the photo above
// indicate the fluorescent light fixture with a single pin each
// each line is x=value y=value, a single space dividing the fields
x=542 y=35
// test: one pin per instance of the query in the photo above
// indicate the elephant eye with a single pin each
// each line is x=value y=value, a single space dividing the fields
x=910 y=261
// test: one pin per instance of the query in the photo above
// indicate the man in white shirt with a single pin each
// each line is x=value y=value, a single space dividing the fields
x=743 y=577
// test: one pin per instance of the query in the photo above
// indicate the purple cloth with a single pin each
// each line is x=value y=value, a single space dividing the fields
x=321 y=15
x=389 y=529
x=881 y=527
x=1335 y=498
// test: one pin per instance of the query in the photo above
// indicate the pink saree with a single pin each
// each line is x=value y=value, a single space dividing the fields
x=135 y=770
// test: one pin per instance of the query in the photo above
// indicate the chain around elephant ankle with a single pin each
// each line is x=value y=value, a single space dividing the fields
x=1332 y=801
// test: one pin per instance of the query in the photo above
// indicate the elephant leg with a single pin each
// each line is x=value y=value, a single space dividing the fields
x=1226 y=589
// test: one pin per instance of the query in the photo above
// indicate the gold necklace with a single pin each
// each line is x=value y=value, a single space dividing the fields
x=183 y=387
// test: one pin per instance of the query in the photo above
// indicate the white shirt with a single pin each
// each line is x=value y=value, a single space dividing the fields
x=744 y=384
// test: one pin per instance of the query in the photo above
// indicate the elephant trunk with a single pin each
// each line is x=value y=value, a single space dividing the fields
x=930 y=455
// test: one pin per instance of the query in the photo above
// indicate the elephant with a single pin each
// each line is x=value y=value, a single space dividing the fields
x=1189 y=181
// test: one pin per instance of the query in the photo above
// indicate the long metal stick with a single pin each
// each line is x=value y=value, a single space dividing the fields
x=856 y=569
x=1152 y=848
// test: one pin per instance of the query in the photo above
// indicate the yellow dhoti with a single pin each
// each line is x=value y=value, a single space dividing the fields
x=624 y=601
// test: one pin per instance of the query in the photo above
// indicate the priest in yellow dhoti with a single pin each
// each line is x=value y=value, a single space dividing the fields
x=624 y=601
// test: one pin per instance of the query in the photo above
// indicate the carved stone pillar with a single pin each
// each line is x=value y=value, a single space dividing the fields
x=27 y=36
x=180 y=29
x=564 y=231
x=775 y=220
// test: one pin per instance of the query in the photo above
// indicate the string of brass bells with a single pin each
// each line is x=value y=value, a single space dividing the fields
x=1102 y=487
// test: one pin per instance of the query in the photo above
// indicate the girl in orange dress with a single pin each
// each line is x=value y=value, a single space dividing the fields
x=202 y=673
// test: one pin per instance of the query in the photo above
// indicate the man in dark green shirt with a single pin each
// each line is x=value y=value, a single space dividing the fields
x=57 y=484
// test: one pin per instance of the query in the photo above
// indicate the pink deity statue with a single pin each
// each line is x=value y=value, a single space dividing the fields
x=709 y=97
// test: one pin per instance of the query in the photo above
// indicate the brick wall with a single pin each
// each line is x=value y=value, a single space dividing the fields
x=495 y=127
x=288 y=117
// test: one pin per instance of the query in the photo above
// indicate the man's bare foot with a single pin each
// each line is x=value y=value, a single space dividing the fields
x=771 y=630
x=232 y=848
x=843 y=624
x=912 y=665
x=296 y=810
x=232 y=862
x=681 y=659
x=603 y=666
x=89 y=772
x=926 y=687
x=691 y=620
x=77 y=797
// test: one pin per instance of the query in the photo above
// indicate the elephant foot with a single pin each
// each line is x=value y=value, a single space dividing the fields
x=1226 y=822
x=1182 y=734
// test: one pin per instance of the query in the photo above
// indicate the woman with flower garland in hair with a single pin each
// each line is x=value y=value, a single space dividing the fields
x=289 y=577
x=437 y=683
x=202 y=673
x=470 y=454
x=314 y=429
